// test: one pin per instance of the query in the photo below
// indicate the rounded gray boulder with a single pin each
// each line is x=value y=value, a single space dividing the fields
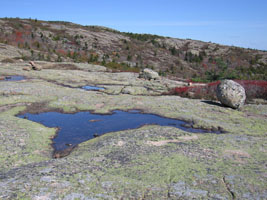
x=231 y=94
x=149 y=74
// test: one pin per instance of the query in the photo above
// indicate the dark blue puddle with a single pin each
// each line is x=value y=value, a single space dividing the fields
x=14 y=78
x=93 y=88
x=83 y=126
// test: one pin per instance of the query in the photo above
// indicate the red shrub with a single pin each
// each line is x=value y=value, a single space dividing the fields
x=180 y=90
x=62 y=52
x=254 y=89
x=19 y=36
x=212 y=84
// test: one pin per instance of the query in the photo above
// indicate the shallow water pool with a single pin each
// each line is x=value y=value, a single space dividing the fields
x=93 y=88
x=14 y=78
x=82 y=126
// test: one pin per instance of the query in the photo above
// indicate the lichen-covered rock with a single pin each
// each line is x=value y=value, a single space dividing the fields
x=231 y=94
x=131 y=163
x=148 y=74
x=134 y=90
x=27 y=68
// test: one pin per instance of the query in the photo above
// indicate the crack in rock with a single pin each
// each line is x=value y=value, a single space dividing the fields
x=228 y=188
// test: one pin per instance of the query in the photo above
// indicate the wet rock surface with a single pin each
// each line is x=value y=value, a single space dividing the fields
x=152 y=162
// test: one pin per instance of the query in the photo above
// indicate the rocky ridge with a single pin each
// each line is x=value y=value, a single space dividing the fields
x=175 y=58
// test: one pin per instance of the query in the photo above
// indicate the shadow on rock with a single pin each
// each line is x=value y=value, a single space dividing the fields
x=214 y=103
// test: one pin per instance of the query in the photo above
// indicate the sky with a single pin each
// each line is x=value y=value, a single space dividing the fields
x=231 y=22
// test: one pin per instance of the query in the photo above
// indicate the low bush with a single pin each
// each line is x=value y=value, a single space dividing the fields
x=254 y=89
x=121 y=67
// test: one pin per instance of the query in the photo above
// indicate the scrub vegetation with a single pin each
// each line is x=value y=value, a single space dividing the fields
x=120 y=51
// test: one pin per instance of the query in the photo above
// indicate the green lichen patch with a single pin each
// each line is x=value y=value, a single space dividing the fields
x=23 y=141
x=151 y=162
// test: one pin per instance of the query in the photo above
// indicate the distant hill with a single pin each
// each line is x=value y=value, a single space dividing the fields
x=175 y=58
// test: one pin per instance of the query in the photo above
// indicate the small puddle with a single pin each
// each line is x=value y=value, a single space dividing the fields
x=82 y=126
x=13 y=78
x=93 y=88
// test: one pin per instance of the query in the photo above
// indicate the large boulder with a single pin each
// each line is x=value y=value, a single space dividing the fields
x=231 y=94
x=148 y=74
